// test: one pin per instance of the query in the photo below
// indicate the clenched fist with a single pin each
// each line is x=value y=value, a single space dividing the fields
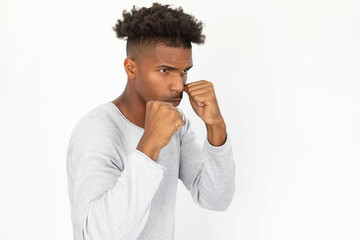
x=162 y=120
x=203 y=100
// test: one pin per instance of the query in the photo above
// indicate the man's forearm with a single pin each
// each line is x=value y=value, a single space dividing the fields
x=216 y=133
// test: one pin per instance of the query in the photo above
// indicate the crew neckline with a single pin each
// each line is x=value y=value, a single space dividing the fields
x=123 y=116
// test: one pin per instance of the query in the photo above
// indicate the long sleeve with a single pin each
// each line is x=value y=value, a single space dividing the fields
x=207 y=172
x=111 y=196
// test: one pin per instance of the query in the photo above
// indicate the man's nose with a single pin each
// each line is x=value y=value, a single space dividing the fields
x=178 y=84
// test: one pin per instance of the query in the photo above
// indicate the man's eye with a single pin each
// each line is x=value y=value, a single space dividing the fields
x=185 y=71
x=164 y=70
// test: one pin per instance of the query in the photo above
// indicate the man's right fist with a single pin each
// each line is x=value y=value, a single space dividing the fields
x=162 y=119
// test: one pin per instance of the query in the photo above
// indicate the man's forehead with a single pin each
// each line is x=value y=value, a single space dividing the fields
x=168 y=55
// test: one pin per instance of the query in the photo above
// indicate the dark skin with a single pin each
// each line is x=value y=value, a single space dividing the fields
x=148 y=81
x=160 y=74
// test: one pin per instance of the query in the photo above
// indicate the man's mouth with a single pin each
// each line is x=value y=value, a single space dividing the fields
x=175 y=102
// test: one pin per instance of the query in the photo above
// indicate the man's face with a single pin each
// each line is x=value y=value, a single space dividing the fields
x=161 y=73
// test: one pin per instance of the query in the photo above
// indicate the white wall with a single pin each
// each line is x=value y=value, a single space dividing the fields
x=287 y=78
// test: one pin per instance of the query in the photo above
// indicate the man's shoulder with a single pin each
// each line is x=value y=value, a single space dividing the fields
x=95 y=135
x=98 y=120
x=96 y=114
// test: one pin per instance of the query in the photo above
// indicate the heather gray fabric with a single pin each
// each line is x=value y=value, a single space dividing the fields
x=118 y=192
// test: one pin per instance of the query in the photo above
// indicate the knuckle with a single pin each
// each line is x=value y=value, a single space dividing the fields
x=163 y=107
x=175 y=116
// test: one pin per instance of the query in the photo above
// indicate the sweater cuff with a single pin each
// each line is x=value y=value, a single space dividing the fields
x=219 y=158
x=148 y=161
x=218 y=149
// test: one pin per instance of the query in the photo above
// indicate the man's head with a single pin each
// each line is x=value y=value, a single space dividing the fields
x=158 y=50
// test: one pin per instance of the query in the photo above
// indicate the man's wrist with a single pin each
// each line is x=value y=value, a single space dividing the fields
x=216 y=133
x=147 y=146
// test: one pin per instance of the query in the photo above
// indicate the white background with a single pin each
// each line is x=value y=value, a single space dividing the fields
x=287 y=78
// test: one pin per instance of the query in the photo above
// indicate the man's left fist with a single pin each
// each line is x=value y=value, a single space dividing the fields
x=203 y=101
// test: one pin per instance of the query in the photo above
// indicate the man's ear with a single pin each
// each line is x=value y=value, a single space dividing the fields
x=130 y=68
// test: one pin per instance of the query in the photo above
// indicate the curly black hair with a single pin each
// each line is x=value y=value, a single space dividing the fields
x=159 y=24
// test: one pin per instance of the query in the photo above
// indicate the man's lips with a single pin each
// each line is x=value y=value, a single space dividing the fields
x=175 y=101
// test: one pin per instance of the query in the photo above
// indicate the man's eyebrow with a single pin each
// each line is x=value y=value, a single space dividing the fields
x=172 y=68
x=188 y=67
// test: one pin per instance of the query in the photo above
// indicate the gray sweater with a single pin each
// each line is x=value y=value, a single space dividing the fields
x=118 y=192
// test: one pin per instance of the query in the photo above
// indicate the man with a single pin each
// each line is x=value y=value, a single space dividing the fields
x=125 y=156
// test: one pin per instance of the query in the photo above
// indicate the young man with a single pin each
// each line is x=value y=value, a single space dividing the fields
x=125 y=156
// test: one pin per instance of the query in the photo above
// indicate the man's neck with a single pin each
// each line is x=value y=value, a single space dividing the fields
x=131 y=108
